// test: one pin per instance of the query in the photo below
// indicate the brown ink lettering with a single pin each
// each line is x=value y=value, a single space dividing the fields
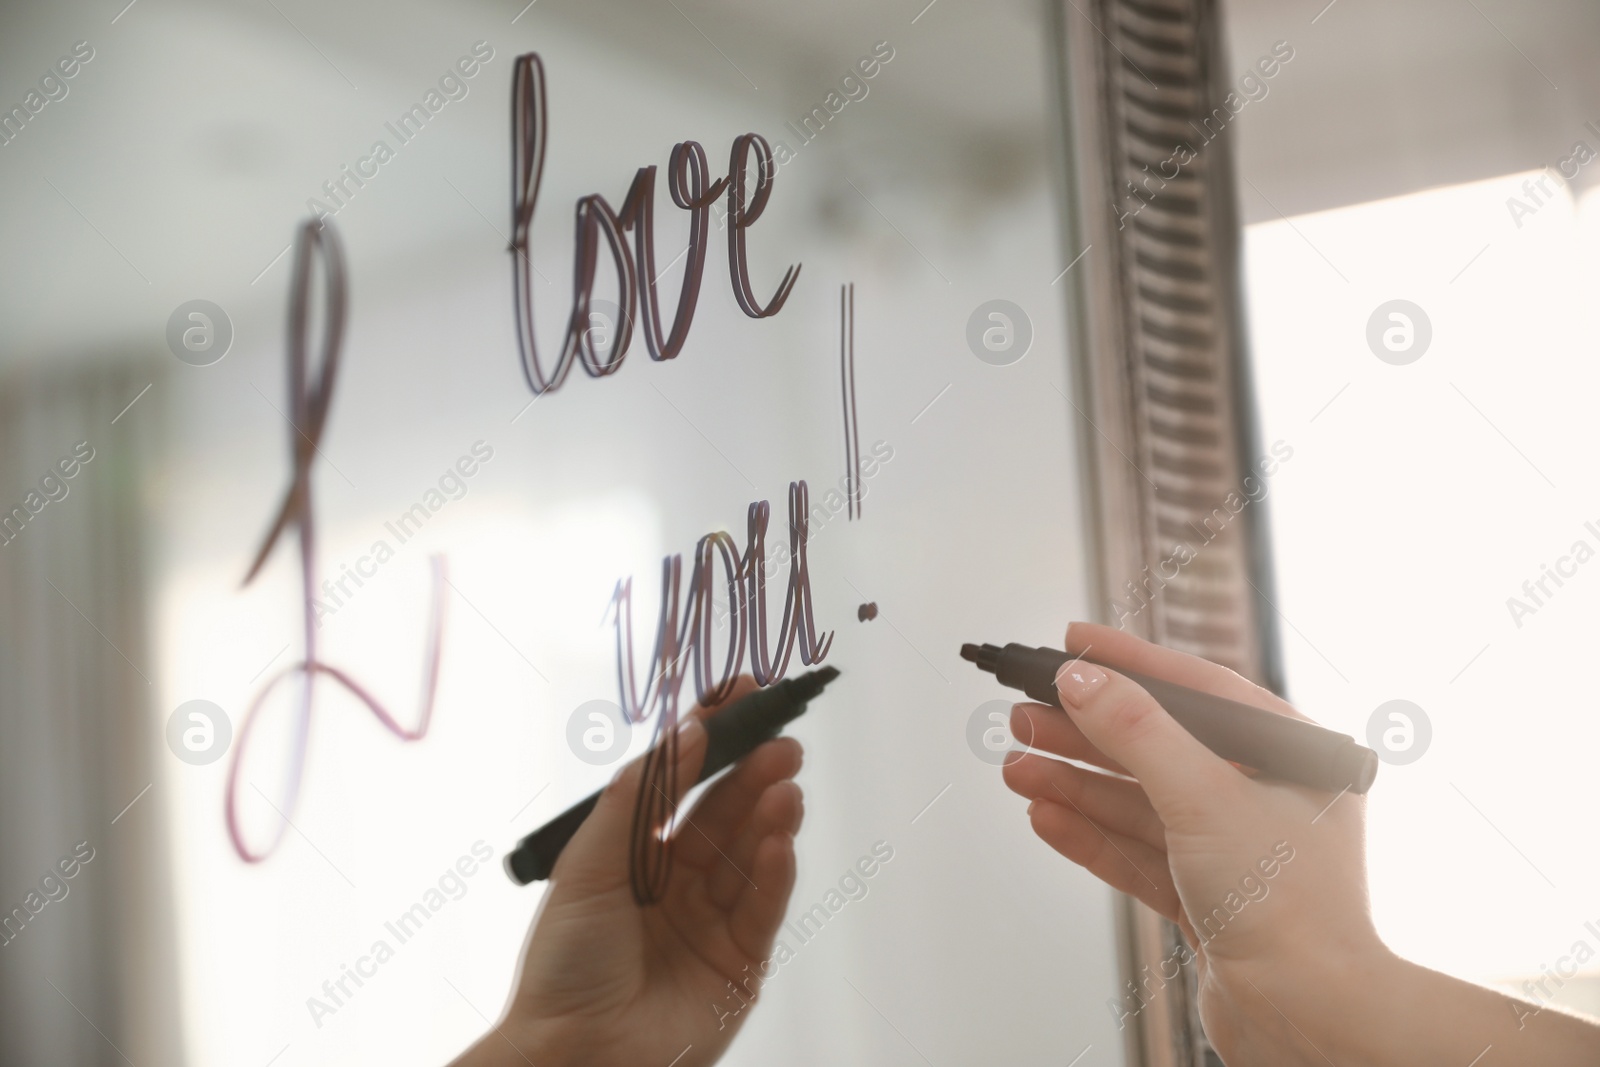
x=690 y=185
x=687 y=634
x=309 y=402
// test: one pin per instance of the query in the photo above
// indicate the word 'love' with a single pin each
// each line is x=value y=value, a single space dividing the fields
x=691 y=187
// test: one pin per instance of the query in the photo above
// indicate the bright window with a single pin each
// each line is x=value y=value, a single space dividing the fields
x=1421 y=498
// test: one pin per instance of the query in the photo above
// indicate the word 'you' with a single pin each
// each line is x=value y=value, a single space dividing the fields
x=686 y=633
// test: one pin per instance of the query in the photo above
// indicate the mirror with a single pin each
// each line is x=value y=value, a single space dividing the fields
x=915 y=379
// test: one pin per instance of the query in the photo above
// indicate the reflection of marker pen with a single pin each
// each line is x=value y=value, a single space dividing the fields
x=732 y=733
x=1276 y=745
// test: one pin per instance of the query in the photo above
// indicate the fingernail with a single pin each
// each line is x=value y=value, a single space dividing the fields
x=688 y=727
x=1077 y=680
x=1031 y=805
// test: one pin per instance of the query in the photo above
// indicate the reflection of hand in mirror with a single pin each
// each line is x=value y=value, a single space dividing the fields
x=603 y=981
x=1266 y=880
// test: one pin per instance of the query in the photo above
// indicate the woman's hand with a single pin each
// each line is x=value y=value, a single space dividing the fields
x=1267 y=880
x=605 y=982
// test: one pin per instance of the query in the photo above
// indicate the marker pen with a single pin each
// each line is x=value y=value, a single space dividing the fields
x=732 y=733
x=1276 y=745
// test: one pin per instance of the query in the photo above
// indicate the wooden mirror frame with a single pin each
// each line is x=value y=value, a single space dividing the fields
x=1165 y=407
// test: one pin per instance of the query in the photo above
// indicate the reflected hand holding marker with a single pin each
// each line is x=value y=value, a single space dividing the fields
x=732 y=733
x=605 y=981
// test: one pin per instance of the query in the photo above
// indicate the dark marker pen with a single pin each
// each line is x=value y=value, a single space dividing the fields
x=1280 y=747
x=732 y=733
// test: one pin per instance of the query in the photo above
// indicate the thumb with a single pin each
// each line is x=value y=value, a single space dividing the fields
x=597 y=855
x=1182 y=777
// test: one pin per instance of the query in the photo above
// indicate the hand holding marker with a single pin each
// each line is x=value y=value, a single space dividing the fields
x=731 y=733
x=1275 y=745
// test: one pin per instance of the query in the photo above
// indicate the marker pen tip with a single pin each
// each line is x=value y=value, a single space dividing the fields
x=808 y=685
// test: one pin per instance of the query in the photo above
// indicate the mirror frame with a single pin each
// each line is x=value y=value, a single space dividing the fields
x=1164 y=402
